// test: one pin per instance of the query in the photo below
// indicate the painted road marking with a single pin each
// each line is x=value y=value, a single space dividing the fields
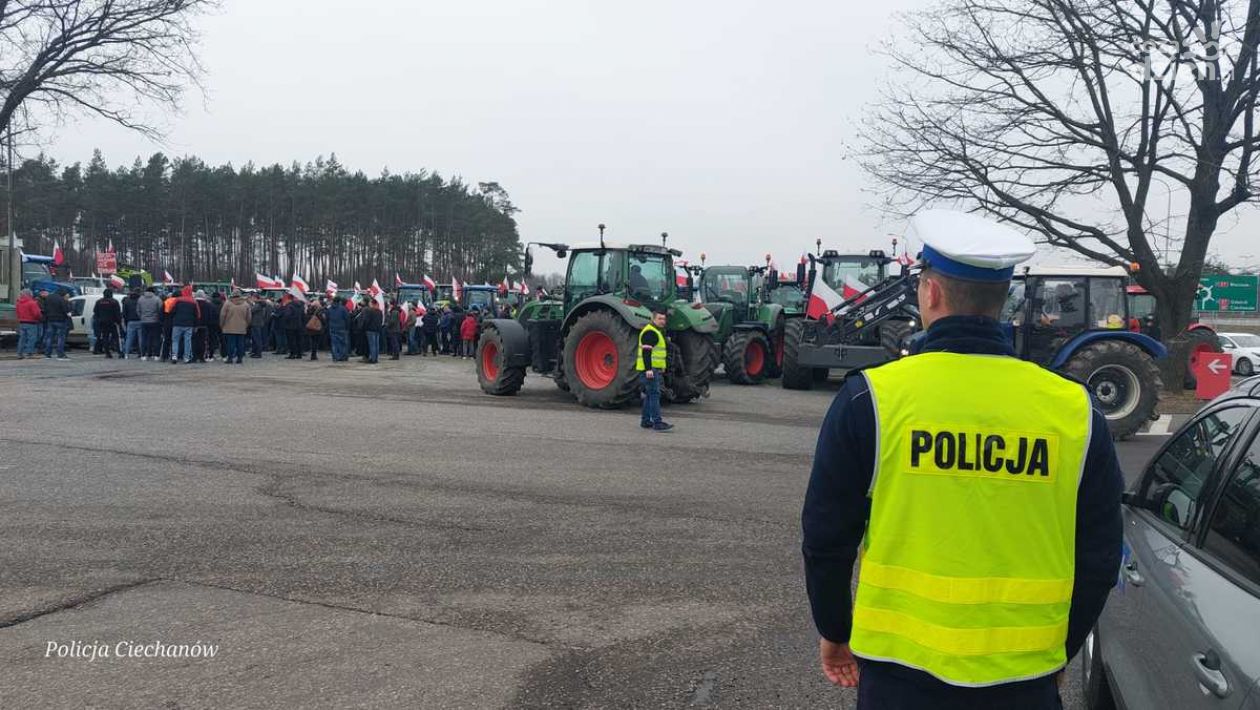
x=1159 y=427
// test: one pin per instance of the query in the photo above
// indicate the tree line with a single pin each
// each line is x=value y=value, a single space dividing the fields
x=208 y=223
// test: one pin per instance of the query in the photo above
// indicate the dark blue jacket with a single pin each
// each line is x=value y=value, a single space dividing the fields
x=185 y=313
x=837 y=508
x=338 y=318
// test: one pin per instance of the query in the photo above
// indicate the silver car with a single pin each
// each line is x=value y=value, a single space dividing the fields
x=1182 y=628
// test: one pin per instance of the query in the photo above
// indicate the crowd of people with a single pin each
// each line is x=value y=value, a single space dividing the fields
x=190 y=326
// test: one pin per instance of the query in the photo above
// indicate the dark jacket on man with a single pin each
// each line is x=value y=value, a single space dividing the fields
x=130 y=309
x=107 y=312
x=372 y=320
x=338 y=317
x=260 y=313
x=293 y=315
x=186 y=312
x=56 y=308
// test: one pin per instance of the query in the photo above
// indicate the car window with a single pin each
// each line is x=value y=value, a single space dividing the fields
x=1059 y=303
x=1234 y=533
x=1106 y=303
x=76 y=307
x=1173 y=486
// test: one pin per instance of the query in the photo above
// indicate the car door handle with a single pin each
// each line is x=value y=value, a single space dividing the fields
x=1131 y=573
x=1207 y=668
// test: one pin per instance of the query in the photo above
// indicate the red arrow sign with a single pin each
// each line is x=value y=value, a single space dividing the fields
x=1213 y=375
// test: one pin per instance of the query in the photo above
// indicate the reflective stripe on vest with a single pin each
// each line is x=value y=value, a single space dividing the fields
x=969 y=556
x=659 y=350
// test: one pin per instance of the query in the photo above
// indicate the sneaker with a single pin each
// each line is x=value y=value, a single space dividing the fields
x=662 y=426
x=63 y=357
x=645 y=425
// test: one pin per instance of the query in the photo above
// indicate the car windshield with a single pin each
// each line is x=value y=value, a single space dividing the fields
x=856 y=273
x=1246 y=341
x=651 y=276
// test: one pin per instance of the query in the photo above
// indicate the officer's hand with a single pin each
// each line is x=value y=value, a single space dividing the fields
x=650 y=375
x=838 y=663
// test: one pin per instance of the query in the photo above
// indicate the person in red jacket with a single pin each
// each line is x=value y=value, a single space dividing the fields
x=29 y=316
x=468 y=334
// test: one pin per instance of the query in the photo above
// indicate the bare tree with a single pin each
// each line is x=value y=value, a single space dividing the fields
x=1060 y=115
x=104 y=57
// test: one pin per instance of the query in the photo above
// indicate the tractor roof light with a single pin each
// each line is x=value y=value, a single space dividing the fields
x=1134 y=267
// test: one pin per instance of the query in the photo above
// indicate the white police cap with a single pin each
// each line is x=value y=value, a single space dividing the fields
x=968 y=247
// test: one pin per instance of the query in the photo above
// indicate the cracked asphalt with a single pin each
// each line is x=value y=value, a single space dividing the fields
x=389 y=536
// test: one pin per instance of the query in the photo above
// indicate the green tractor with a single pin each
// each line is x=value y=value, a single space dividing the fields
x=586 y=337
x=750 y=325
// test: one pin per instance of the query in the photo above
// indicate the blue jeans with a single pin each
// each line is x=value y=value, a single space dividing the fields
x=55 y=338
x=374 y=345
x=651 y=399
x=184 y=333
x=339 y=340
x=413 y=341
x=134 y=334
x=234 y=344
x=258 y=334
x=28 y=338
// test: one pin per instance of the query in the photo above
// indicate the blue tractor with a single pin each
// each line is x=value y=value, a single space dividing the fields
x=1072 y=320
x=38 y=275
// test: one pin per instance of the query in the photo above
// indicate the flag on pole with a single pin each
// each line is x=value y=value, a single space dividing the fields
x=109 y=248
x=822 y=299
x=505 y=287
x=232 y=285
x=430 y=283
x=377 y=293
x=59 y=257
x=523 y=288
x=116 y=281
x=167 y=279
x=457 y=291
x=299 y=284
x=398 y=282
x=267 y=282
x=330 y=288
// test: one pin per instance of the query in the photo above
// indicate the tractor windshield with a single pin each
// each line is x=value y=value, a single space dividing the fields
x=481 y=300
x=853 y=273
x=725 y=285
x=788 y=295
x=651 y=276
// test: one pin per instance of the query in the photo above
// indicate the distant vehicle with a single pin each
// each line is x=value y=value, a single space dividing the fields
x=412 y=293
x=483 y=297
x=1180 y=629
x=91 y=284
x=1245 y=348
x=81 y=308
x=37 y=275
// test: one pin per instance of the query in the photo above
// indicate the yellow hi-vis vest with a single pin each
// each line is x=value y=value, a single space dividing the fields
x=969 y=556
x=659 y=350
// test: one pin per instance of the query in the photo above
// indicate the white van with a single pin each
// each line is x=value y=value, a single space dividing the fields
x=81 y=308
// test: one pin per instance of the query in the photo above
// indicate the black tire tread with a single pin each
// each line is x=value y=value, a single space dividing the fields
x=1090 y=358
x=624 y=390
x=794 y=376
x=510 y=379
x=734 y=355
x=698 y=357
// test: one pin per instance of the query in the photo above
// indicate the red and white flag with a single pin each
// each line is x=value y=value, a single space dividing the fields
x=109 y=248
x=505 y=287
x=375 y=288
x=822 y=299
x=59 y=257
x=398 y=280
x=299 y=284
x=457 y=291
x=330 y=288
x=905 y=259
x=357 y=288
x=233 y=284
x=263 y=281
x=167 y=279
x=116 y=281
x=430 y=283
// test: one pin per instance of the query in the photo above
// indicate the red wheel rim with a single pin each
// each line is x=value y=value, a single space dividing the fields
x=489 y=355
x=596 y=360
x=754 y=358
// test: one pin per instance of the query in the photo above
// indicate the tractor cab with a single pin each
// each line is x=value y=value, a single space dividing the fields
x=790 y=295
x=853 y=273
x=410 y=293
x=640 y=273
x=39 y=274
x=482 y=297
x=443 y=295
x=1047 y=308
x=730 y=288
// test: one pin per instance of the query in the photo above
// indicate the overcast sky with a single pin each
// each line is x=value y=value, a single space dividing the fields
x=723 y=123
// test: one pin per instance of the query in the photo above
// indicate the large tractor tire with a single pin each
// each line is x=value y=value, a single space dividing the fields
x=747 y=357
x=494 y=378
x=599 y=361
x=1124 y=381
x=693 y=359
x=894 y=336
x=795 y=377
x=778 y=337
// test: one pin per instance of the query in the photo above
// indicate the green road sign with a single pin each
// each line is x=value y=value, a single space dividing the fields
x=1227 y=293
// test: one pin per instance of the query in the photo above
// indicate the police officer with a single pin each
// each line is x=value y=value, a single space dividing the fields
x=984 y=491
x=651 y=364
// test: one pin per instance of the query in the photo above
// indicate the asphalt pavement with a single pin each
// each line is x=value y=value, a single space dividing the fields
x=388 y=536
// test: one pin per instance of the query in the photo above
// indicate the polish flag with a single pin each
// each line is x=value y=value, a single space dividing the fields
x=398 y=280
x=330 y=288
x=505 y=287
x=116 y=281
x=457 y=291
x=905 y=259
x=109 y=248
x=430 y=283
x=59 y=257
x=259 y=279
x=822 y=300
x=167 y=279
x=375 y=289
x=299 y=284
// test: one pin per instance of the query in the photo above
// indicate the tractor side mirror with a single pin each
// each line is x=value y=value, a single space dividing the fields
x=561 y=254
x=800 y=274
x=772 y=279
